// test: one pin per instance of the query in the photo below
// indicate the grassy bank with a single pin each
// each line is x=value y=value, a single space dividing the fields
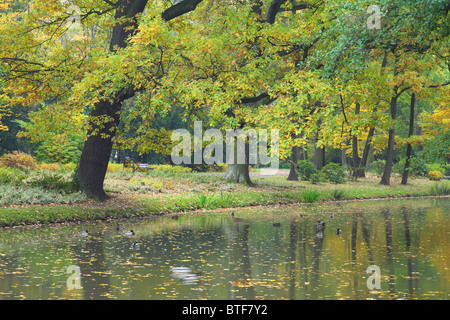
x=161 y=192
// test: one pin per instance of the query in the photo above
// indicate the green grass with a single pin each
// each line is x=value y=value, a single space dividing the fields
x=162 y=192
x=311 y=196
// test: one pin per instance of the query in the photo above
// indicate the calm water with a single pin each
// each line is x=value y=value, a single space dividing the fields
x=245 y=257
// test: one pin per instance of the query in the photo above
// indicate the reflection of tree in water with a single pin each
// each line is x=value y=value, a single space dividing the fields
x=389 y=249
x=91 y=260
x=293 y=235
x=412 y=262
x=241 y=278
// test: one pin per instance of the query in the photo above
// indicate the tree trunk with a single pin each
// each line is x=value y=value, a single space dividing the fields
x=319 y=153
x=293 y=174
x=98 y=145
x=357 y=171
x=385 y=179
x=97 y=149
x=239 y=172
x=368 y=144
x=411 y=132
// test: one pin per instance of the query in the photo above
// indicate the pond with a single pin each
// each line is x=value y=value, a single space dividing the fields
x=260 y=253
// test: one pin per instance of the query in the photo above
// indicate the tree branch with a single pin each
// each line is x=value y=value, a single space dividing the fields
x=179 y=9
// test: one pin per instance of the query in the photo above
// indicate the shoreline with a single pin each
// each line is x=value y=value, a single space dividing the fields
x=48 y=214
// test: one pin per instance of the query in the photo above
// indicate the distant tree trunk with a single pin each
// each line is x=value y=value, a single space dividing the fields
x=368 y=144
x=344 y=155
x=319 y=153
x=295 y=156
x=385 y=179
x=357 y=171
x=411 y=132
x=418 y=127
x=365 y=156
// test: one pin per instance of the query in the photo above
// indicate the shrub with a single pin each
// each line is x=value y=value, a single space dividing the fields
x=50 y=166
x=51 y=181
x=440 y=189
x=20 y=160
x=169 y=168
x=447 y=170
x=419 y=166
x=69 y=166
x=334 y=172
x=377 y=167
x=12 y=176
x=310 y=196
x=314 y=178
x=399 y=167
x=114 y=167
x=19 y=195
x=306 y=169
x=436 y=167
x=435 y=175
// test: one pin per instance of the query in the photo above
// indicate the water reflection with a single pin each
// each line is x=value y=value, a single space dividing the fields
x=273 y=253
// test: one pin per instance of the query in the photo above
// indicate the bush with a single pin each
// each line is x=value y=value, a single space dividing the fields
x=314 y=178
x=12 y=176
x=18 y=195
x=51 y=181
x=334 y=172
x=399 y=167
x=169 y=168
x=20 y=160
x=50 y=166
x=419 y=166
x=310 y=196
x=69 y=166
x=447 y=170
x=436 y=167
x=306 y=169
x=377 y=167
x=114 y=167
x=435 y=175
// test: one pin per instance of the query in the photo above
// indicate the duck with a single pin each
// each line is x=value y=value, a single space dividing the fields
x=276 y=224
x=235 y=218
x=129 y=233
x=320 y=226
x=84 y=233
x=136 y=244
x=331 y=216
x=338 y=232
x=175 y=217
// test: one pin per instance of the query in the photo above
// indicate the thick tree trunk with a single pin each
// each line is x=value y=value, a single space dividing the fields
x=238 y=172
x=409 y=147
x=97 y=149
x=295 y=156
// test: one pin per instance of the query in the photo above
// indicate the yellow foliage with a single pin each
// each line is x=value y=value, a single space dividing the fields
x=435 y=175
